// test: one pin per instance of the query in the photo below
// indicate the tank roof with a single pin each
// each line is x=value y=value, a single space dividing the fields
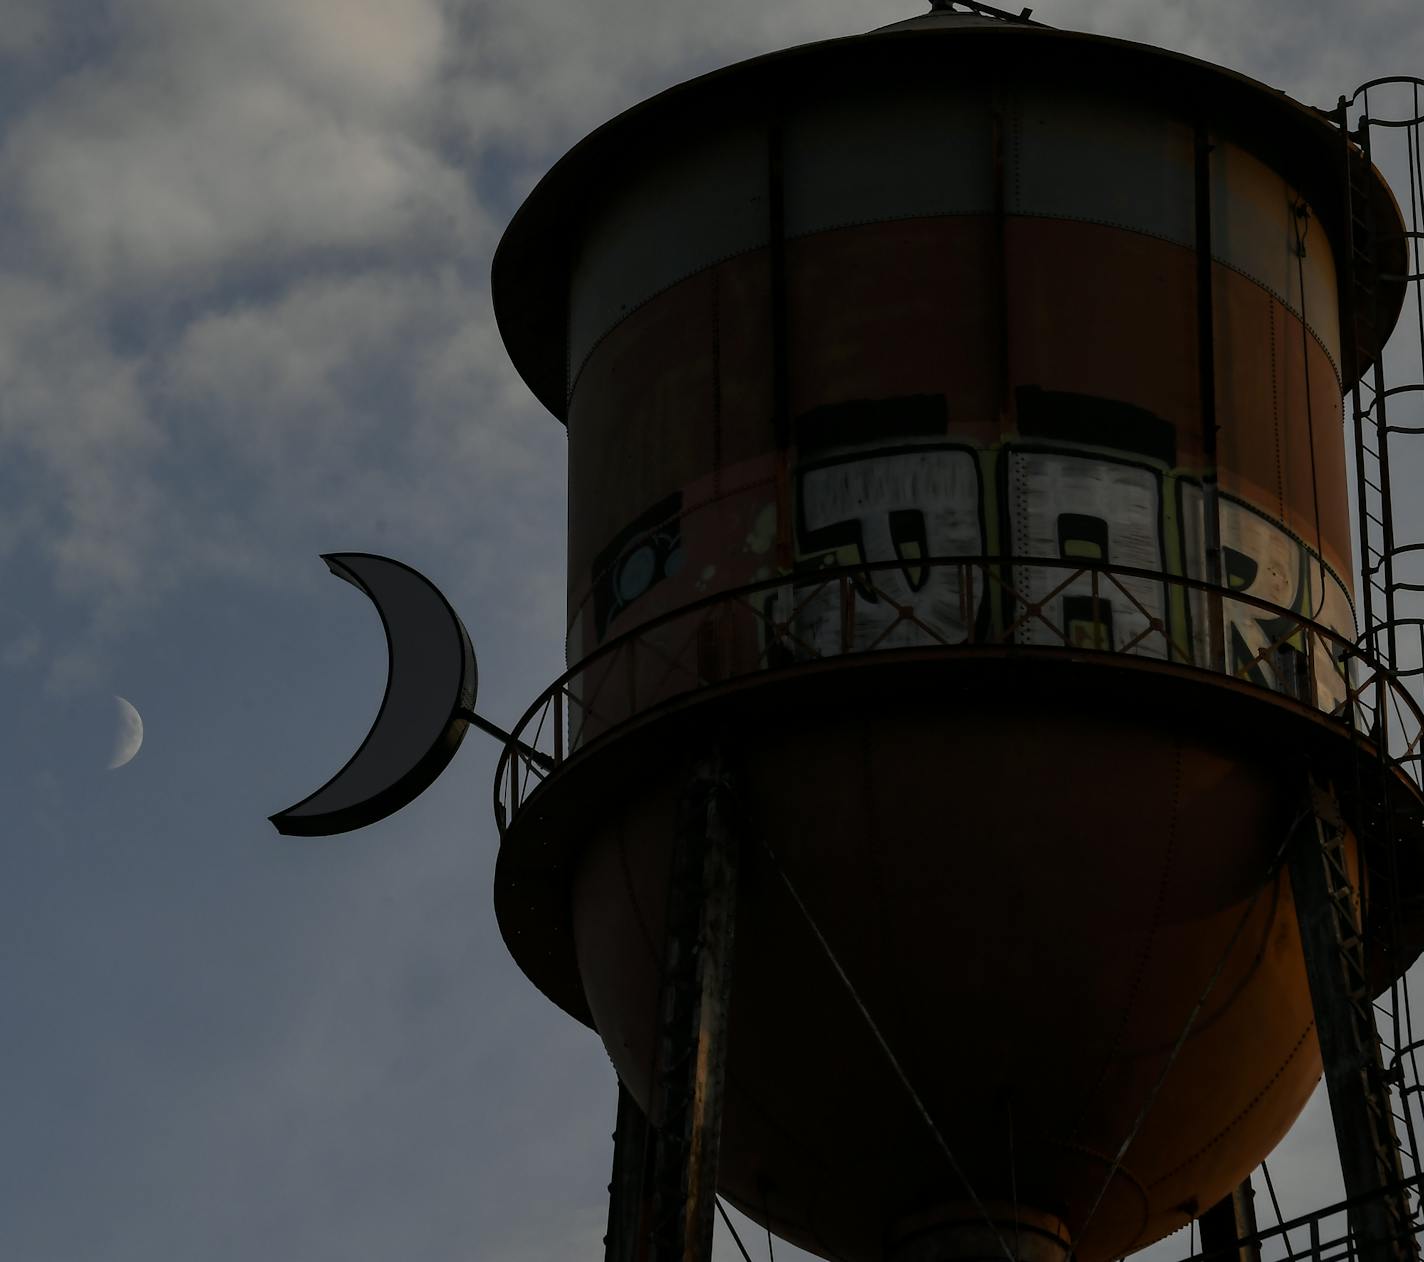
x=531 y=267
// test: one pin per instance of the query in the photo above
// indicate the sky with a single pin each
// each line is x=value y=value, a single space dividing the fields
x=245 y=319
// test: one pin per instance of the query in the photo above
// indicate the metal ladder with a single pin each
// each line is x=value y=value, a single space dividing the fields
x=1391 y=606
x=1362 y=336
x=1390 y=589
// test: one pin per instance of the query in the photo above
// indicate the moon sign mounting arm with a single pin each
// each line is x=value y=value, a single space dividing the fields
x=428 y=704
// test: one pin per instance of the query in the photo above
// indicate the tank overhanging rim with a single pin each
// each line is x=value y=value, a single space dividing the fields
x=529 y=279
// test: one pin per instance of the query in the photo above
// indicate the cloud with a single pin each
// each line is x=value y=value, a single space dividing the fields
x=1313 y=52
x=76 y=439
x=220 y=137
x=226 y=205
x=384 y=391
x=365 y=58
x=539 y=76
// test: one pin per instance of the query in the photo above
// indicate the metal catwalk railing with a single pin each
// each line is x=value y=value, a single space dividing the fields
x=1031 y=606
x=1323 y=1235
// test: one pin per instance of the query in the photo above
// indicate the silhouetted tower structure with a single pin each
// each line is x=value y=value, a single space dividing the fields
x=954 y=815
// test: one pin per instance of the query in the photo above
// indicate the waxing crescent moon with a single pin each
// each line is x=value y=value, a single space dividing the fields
x=129 y=736
x=430 y=692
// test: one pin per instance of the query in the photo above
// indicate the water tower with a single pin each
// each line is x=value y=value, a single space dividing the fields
x=958 y=519
x=955 y=815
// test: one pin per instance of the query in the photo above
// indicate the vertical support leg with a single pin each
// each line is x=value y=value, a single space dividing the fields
x=690 y=1068
x=1331 y=937
x=628 y=1191
x=1231 y=1220
x=709 y=1075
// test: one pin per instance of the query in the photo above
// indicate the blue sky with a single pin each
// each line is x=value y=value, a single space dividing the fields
x=244 y=319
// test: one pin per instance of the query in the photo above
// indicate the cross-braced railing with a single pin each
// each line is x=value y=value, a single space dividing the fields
x=952 y=605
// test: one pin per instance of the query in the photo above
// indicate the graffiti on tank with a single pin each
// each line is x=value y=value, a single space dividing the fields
x=877 y=482
x=636 y=559
x=1092 y=481
x=1261 y=559
x=1087 y=482
x=1073 y=507
x=901 y=506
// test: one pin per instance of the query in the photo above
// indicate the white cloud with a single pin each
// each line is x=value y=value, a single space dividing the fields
x=195 y=152
x=218 y=136
x=539 y=75
x=76 y=433
x=384 y=375
x=134 y=184
x=363 y=58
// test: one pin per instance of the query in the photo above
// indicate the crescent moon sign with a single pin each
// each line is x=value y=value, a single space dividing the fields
x=430 y=694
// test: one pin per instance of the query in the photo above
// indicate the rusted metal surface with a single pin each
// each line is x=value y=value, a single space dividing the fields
x=985 y=894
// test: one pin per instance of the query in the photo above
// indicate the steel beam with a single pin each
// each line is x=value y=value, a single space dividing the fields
x=628 y=1190
x=1228 y=1228
x=662 y=1199
x=1331 y=935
